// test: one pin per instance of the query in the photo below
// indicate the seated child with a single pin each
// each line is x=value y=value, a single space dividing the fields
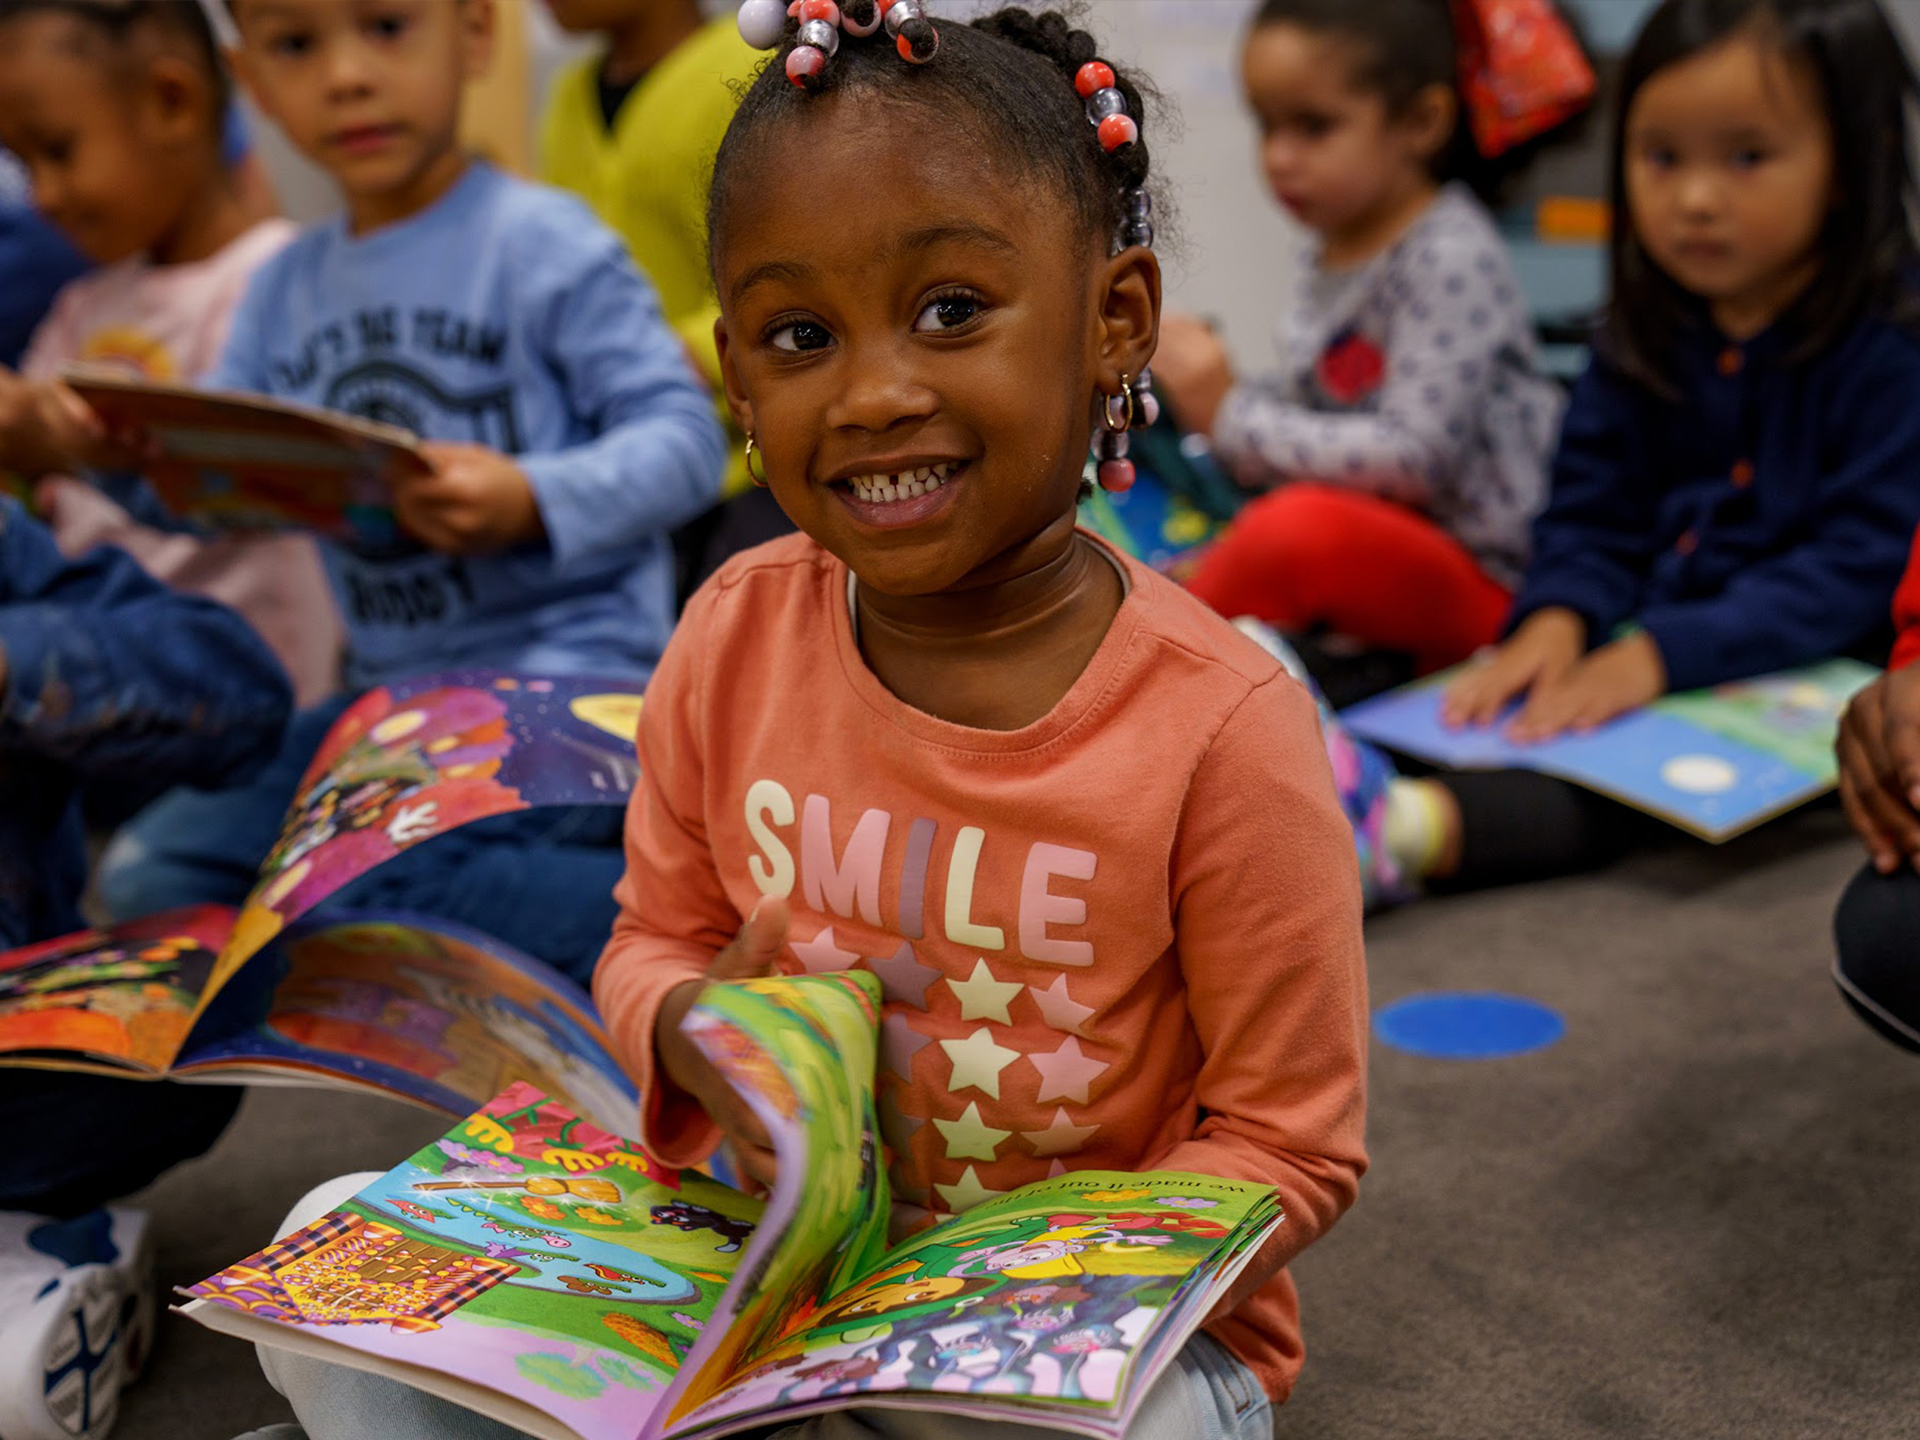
x=1083 y=832
x=118 y=111
x=503 y=323
x=1878 y=923
x=632 y=130
x=105 y=675
x=1405 y=440
x=1734 y=492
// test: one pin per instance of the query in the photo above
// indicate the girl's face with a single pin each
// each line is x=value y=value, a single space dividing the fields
x=915 y=340
x=1334 y=153
x=103 y=157
x=1729 y=178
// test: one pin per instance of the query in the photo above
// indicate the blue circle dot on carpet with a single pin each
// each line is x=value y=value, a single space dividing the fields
x=1462 y=1026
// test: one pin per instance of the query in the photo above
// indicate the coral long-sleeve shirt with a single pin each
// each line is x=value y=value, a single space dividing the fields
x=1126 y=936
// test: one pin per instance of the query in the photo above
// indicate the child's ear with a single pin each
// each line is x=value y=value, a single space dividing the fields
x=1128 y=316
x=477 y=29
x=738 y=405
x=1431 y=117
x=178 y=102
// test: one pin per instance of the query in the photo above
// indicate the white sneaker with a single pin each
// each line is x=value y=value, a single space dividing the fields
x=76 y=1317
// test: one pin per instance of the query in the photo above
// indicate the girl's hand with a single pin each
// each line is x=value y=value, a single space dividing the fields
x=1879 y=754
x=474 y=500
x=1545 y=648
x=1191 y=371
x=751 y=954
x=1613 y=680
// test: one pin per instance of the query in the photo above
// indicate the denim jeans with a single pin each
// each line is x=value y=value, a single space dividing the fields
x=541 y=880
x=1205 y=1394
x=79 y=1141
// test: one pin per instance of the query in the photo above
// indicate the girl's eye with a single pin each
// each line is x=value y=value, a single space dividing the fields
x=1315 y=127
x=1659 y=157
x=291 y=45
x=800 y=337
x=947 y=312
x=387 y=27
x=1749 y=159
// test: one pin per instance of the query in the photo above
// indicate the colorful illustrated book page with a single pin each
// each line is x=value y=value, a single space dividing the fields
x=535 y=1269
x=409 y=762
x=420 y=1009
x=1713 y=762
x=243 y=462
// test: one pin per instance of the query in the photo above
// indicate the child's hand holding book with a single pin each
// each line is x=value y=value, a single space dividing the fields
x=472 y=501
x=751 y=955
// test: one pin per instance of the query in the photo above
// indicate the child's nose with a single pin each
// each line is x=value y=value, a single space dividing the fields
x=1699 y=192
x=346 y=69
x=880 y=390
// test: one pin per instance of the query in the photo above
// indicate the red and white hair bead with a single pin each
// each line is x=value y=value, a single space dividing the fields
x=763 y=24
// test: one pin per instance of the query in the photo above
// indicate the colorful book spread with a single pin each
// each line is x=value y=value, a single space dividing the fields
x=1713 y=762
x=244 y=462
x=538 y=1270
x=421 y=1008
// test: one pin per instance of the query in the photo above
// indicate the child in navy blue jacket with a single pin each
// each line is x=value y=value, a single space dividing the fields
x=1738 y=478
x=105 y=675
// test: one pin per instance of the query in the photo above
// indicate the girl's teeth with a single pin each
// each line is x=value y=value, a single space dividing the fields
x=910 y=485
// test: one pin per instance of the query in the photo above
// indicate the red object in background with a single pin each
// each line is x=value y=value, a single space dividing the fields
x=1522 y=71
x=1351 y=368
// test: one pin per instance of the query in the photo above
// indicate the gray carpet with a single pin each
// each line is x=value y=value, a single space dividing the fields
x=1694 y=1216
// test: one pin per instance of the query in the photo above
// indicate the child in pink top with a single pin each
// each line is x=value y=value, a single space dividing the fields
x=116 y=111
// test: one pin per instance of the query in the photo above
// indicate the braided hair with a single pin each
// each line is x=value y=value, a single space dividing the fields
x=1011 y=75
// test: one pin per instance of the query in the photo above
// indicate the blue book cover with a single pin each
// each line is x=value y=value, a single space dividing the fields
x=1713 y=762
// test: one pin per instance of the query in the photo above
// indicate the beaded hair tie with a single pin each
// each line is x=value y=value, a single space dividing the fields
x=763 y=24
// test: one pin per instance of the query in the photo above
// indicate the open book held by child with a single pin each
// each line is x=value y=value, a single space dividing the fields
x=538 y=1270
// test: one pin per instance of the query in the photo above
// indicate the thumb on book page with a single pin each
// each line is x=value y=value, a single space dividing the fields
x=755 y=949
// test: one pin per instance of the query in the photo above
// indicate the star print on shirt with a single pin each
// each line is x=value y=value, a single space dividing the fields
x=977 y=1062
x=1064 y=1074
x=966 y=1192
x=823 y=954
x=1059 y=1009
x=982 y=997
x=896 y=1125
x=899 y=1043
x=904 y=978
x=970 y=1137
x=1062 y=1137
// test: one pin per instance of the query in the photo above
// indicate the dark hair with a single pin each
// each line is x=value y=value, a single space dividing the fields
x=1011 y=71
x=182 y=22
x=1407 y=46
x=1870 y=264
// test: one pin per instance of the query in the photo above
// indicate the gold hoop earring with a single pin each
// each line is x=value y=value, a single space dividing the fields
x=759 y=478
x=1118 y=412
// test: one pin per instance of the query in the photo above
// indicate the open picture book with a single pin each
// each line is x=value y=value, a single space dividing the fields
x=1713 y=762
x=538 y=1270
x=243 y=462
x=420 y=1008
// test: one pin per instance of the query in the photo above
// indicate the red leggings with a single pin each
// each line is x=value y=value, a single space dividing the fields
x=1364 y=567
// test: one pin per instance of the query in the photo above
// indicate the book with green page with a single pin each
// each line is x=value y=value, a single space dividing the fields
x=534 y=1268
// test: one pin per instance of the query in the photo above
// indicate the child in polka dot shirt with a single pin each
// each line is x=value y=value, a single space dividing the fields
x=1405 y=439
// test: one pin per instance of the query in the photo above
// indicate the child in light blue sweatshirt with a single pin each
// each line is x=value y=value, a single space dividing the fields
x=568 y=435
